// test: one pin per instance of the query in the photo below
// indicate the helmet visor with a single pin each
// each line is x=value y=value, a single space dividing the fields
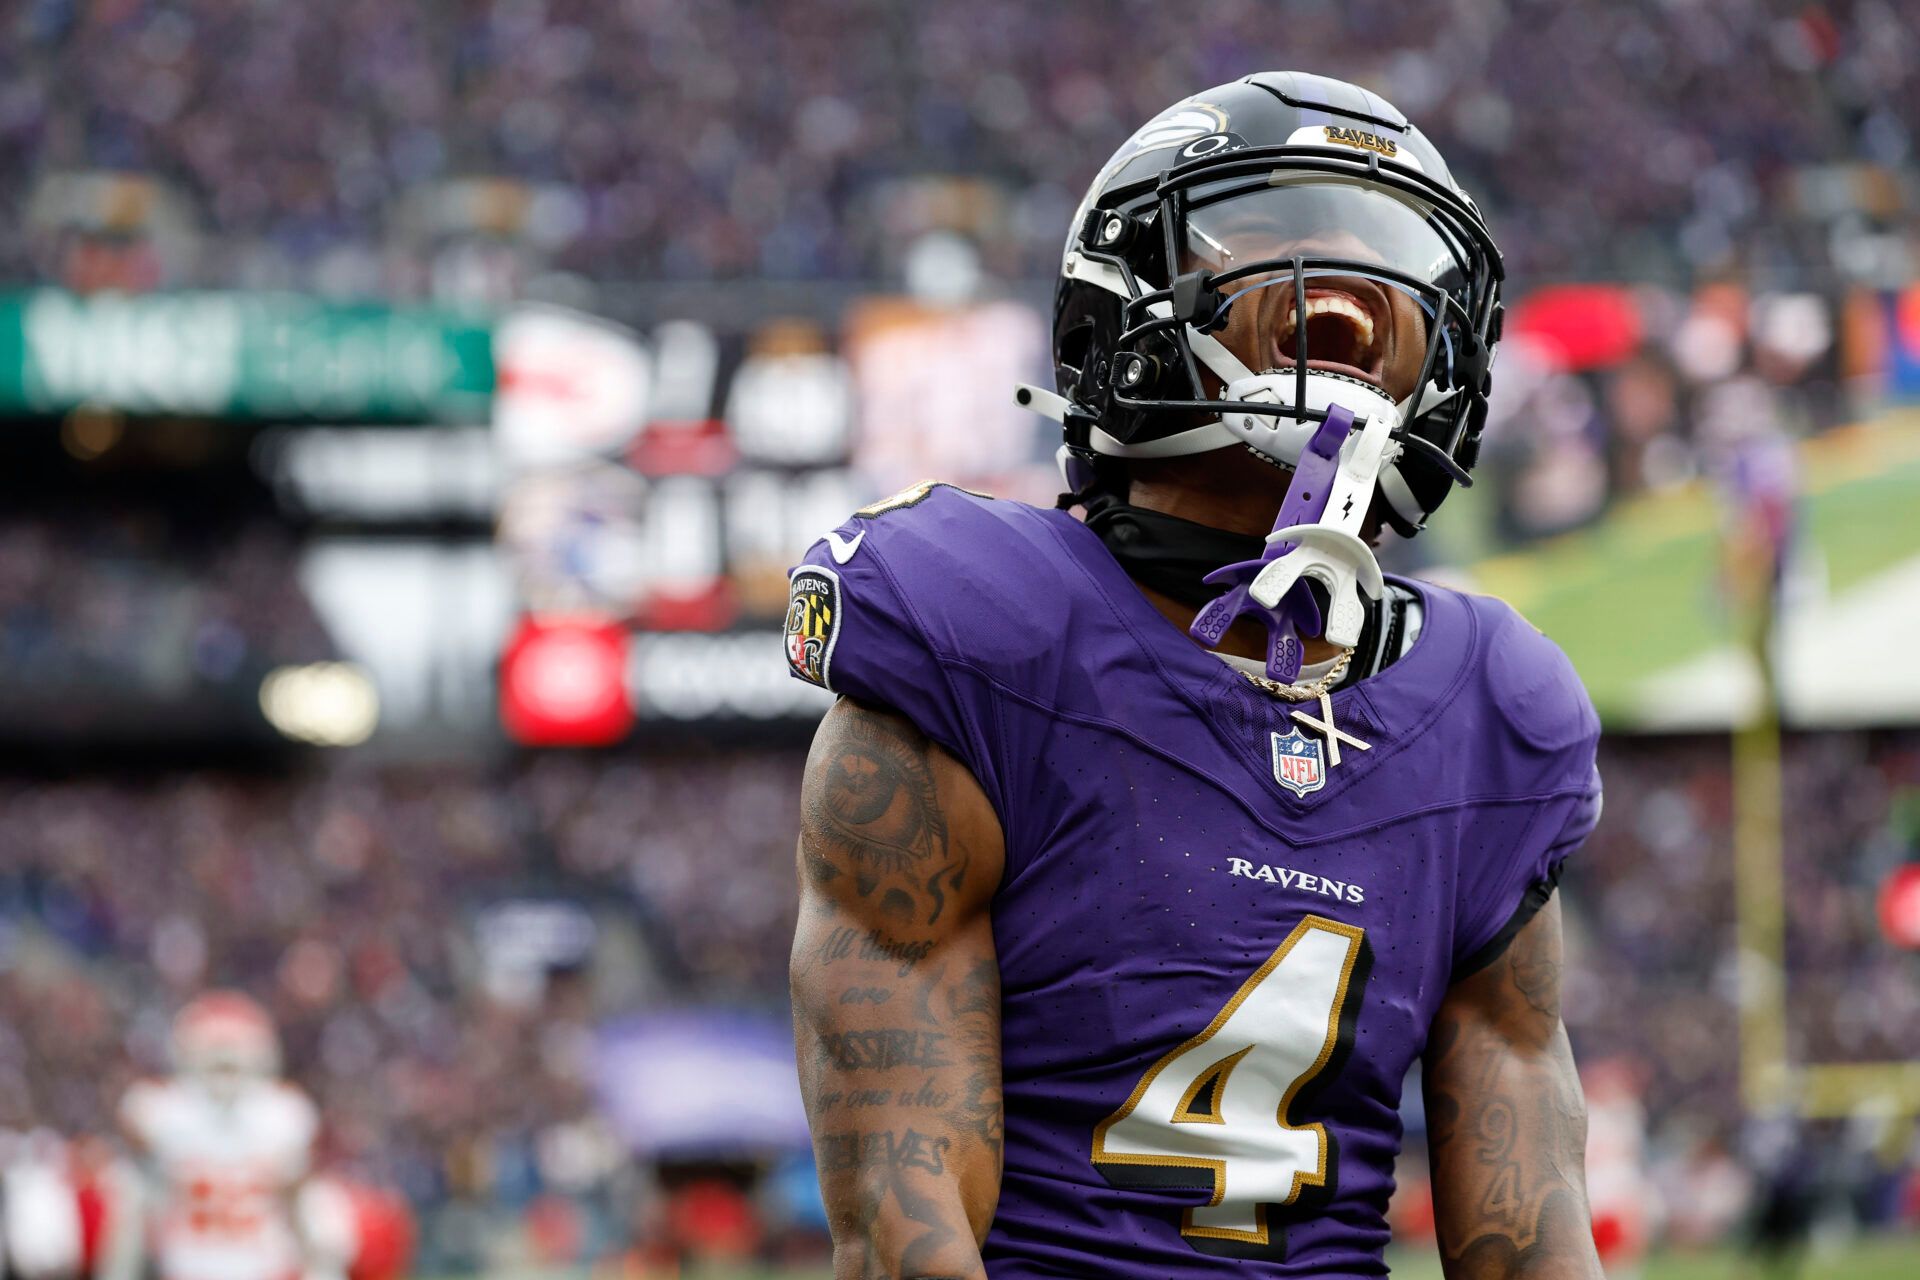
x=1378 y=279
x=1308 y=216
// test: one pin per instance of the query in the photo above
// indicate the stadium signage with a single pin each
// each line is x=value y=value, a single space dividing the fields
x=692 y=676
x=241 y=355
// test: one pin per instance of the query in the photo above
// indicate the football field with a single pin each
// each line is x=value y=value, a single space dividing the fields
x=1884 y=1258
x=1874 y=1258
x=1637 y=600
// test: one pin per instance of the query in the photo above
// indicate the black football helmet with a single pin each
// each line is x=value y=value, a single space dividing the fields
x=1316 y=204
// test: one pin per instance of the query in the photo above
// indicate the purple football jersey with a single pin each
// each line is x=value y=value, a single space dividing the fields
x=1220 y=950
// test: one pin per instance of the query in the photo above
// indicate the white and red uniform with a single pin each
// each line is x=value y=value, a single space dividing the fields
x=1619 y=1191
x=355 y=1232
x=227 y=1163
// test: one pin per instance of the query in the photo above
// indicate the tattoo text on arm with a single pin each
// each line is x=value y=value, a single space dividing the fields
x=900 y=1043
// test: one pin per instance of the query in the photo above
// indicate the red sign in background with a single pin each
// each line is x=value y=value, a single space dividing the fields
x=1900 y=906
x=563 y=683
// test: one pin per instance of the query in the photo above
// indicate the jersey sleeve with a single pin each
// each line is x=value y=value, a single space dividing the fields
x=856 y=625
x=1542 y=742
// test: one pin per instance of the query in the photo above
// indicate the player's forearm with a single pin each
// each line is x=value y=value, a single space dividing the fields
x=901 y=1073
x=927 y=1242
x=894 y=1210
x=1510 y=1200
x=896 y=997
x=1507 y=1125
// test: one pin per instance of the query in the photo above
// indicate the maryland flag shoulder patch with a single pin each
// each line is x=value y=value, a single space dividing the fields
x=813 y=623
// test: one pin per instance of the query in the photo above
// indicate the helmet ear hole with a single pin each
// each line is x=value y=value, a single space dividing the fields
x=1074 y=350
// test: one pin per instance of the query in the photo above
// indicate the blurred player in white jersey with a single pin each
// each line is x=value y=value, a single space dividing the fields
x=1618 y=1188
x=227 y=1146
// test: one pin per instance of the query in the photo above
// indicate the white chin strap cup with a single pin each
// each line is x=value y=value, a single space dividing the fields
x=1330 y=550
x=1283 y=439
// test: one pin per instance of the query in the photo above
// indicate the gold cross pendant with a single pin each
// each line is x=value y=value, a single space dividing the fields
x=1326 y=728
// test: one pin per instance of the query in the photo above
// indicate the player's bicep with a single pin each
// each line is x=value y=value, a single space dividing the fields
x=894 y=832
x=895 y=986
x=1506 y=1121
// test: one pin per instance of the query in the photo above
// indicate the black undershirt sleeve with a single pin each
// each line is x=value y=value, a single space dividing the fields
x=1535 y=898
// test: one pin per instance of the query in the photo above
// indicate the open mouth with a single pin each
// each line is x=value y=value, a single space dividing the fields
x=1346 y=333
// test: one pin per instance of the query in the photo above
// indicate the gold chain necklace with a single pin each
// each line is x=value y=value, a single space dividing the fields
x=1302 y=692
x=1320 y=690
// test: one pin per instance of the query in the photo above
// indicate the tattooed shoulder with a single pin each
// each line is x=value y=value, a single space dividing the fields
x=871 y=818
x=871 y=804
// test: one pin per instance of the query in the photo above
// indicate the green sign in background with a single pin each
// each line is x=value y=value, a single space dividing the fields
x=242 y=355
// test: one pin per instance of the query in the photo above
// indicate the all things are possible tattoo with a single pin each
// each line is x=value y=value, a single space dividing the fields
x=900 y=1049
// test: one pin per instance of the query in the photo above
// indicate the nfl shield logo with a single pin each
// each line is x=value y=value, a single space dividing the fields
x=1297 y=763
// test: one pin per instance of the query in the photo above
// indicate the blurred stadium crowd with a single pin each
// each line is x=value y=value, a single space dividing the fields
x=352 y=901
x=141 y=596
x=660 y=140
x=1734 y=153
x=353 y=904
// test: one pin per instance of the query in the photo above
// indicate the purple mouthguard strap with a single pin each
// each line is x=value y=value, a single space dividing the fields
x=1305 y=503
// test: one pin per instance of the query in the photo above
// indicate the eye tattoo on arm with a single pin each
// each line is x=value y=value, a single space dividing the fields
x=876 y=815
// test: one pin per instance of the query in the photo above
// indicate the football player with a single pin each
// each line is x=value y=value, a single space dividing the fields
x=1144 y=855
x=227 y=1146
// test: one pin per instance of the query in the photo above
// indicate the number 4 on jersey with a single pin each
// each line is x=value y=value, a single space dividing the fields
x=1215 y=1114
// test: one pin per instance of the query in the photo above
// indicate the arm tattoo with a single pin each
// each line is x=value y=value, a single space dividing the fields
x=1507 y=1124
x=896 y=1004
x=1537 y=978
x=874 y=815
x=971 y=1007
